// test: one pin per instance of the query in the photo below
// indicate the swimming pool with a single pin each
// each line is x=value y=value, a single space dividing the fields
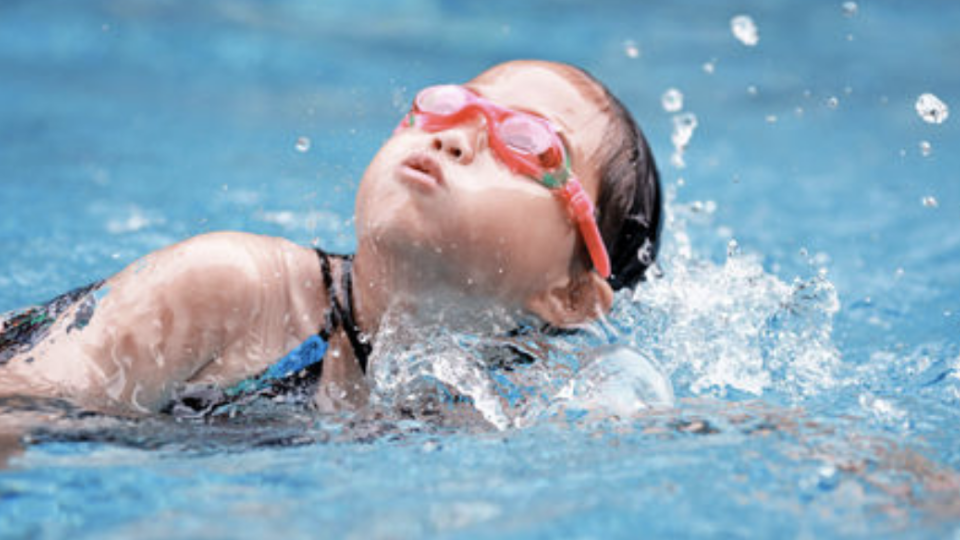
x=807 y=317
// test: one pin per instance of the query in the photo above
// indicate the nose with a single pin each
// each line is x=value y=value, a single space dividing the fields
x=458 y=143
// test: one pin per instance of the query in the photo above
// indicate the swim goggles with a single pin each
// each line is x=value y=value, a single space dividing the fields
x=525 y=143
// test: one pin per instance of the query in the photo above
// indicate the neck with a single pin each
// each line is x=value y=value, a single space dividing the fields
x=421 y=289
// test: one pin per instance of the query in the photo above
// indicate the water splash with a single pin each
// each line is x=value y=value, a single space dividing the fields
x=618 y=381
x=731 y=328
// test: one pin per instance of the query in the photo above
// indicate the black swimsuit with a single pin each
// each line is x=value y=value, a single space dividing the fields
x=21 y=331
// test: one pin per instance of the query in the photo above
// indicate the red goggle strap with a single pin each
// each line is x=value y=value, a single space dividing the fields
x=581 y=207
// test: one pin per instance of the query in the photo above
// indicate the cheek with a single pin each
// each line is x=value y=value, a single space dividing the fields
x=517 y=236
x=378 y=196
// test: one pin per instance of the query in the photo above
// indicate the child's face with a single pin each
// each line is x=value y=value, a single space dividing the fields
x=476 y=225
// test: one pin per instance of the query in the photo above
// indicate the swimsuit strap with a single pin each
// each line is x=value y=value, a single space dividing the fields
x=294 y=375
x=341 y=312
x=331 y=323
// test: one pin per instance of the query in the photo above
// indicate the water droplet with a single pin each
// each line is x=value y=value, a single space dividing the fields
x=745 y=30
x=930 y=201
x=850 y=9
x=833 y=102
x=303 y=144
x=676 y=159
x=931 y=109
x=631 y=49
x=925 y=148
x=752 y=90
x=798 y=111
x=733 y=248
x=672 y=100
x=898 y=273
x=771 y=119
x=683 y=128
x=709 y=67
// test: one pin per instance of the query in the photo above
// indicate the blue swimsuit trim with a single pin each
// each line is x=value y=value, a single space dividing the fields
x=306 y=354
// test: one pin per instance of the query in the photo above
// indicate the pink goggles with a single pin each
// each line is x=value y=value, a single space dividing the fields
x=525 y=143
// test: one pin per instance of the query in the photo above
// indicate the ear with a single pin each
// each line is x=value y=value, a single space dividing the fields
x=573 y=302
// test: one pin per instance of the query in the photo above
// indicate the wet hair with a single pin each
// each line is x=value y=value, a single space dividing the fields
x=629 y=208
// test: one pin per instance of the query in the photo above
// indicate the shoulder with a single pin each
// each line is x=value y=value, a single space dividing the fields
x=223 y=268
x=244 y=255
x=269 y=276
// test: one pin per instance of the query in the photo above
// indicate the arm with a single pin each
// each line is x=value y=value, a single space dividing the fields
x=215 y=308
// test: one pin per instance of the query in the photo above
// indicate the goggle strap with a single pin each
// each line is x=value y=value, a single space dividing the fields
x=582 y=209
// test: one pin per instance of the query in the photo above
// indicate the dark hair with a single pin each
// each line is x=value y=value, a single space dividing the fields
x=629 y=207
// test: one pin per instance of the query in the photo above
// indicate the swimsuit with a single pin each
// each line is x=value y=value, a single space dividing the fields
x=22 y=330
x=294 y=377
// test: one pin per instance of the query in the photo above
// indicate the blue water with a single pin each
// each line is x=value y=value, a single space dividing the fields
x=807 y=317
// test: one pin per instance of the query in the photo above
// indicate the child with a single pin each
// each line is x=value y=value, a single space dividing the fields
x=476 y=213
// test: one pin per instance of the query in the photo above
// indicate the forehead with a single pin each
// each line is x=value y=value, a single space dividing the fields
x=573 y=103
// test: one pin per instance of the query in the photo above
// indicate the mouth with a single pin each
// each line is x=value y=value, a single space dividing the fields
x=421 y=171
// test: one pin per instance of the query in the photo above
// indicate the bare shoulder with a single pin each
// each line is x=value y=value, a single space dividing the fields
x=225 y=261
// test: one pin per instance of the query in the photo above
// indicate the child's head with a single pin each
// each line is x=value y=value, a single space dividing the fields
x=449 y=204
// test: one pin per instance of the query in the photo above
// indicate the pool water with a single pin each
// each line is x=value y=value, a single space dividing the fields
x=806 y=326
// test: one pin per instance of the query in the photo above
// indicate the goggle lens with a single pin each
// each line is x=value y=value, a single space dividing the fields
x=442 y=100
x=525 y=135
